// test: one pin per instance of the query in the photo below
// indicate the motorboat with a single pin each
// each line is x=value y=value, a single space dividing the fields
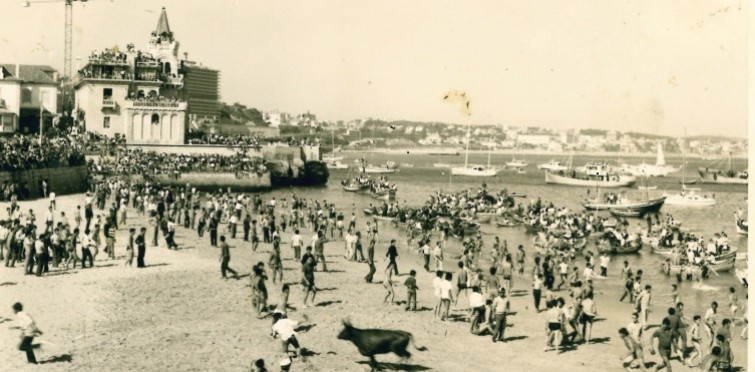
x=729 y=176
x=646 y=206
x=336 y=164
x=516 y=164
x=659 y=169
x=474 y=171
x=576 y=179
x=553 y=166
x=690 y=197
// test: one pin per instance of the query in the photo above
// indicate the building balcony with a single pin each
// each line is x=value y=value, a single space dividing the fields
x=147 y=64
x=108 y=103
x=114 y=78
x=107 y=62
x=158 y=104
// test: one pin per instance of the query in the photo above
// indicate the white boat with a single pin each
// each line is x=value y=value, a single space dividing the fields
x=407 y=165
x=647 y=188
x=618 y=180
x=659 y=169
x=331 y=159
x=553 y=166
x=441 y=165
x=645 y=206
x=473 y=170
x=516 y=164
x=336 y=164
x=376 y=169
x=689 y=197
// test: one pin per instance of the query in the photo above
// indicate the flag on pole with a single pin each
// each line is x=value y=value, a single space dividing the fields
x=456 y=96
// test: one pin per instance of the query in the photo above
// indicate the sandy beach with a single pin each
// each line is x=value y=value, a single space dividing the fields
x=178 y=314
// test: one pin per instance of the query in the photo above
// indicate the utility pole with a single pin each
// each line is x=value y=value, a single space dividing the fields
x=41 y=114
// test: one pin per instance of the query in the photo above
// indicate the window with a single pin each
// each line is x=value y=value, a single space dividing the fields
x=107 y=93
x=106 y=122
x=6 y=123
x=155 y=119
x=26 y=96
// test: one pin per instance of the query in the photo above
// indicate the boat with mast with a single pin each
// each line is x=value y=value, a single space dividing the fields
x=688 y=196
x=659 y=169
x=729 y=177
x=332 y=158
x=592 y=175
x=473 y=170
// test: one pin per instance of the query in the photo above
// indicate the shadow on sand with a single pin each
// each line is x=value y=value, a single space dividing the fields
x=398 y=367
x=58 y=359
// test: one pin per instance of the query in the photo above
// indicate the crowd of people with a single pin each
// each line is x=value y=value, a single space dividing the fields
x=19 y=153
x=137 y=161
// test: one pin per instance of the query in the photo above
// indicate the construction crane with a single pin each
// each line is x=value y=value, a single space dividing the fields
x=66 y=81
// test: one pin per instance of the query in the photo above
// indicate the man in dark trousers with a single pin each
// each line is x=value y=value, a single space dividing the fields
x=225 y=258
x=320 y=249
x=213 y=231
x=141 y=249
x=370 y=261
x=247 y=226
x=88 y=214
x=392 y=254
x=29 y=330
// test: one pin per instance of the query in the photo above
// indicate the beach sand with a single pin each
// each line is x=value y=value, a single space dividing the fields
x=179 y=315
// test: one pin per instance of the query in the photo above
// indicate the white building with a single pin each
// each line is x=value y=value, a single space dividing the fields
x=24 y=90
x=276 y=118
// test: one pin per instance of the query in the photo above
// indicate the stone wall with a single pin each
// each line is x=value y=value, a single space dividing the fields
x=63 y=180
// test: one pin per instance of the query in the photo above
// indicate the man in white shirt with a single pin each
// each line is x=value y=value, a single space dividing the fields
x=29 y=330
x=52 y=199
x=477 y=303
x=296 y=243
x=604 y=260
x=286 y=329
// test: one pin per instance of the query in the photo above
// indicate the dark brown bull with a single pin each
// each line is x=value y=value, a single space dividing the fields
x=371 y=342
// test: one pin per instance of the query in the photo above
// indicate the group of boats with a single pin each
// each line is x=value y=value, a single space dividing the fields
x=377 y=188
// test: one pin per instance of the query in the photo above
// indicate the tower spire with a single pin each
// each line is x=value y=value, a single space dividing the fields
x=163 y=29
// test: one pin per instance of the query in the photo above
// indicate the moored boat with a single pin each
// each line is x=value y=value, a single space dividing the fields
x=474 y=171
x=689 y=197
x=741 y=225
x=616 y=180
x=648 y=206
x=553 y=166
x=721 y=266
x=631 y=213
x=605 y=246
x=484 y=217
x=506 y=222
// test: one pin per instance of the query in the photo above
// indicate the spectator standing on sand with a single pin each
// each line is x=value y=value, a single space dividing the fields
x=320 y=249
x=225 y=258
x=411 y=291
x=501 y=308
x=130 y=248
x=391 y=255
x=29 y=330
x=308 y=278
x=370 y=262
x=141 y=246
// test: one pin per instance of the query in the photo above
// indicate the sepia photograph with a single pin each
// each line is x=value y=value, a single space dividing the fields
x=353 y=185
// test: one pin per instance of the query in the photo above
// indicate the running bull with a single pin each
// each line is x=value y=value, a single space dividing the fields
x=371 y=342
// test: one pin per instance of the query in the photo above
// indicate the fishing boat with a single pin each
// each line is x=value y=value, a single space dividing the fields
x=625 y=213
x=336 y=164
x=351 y=187
x=606 y=246
x=473 y=170
x=332 y=158
x=741 y=224
x=553 y=166
x=592 y=175
x=378 y=169
x=729 y=177
x=484 y=217
x=659 y=169
x=689 y=197
x=651 y=205
x=506 y=222
x=388 y=194
x=718 y=266
x=516 y=163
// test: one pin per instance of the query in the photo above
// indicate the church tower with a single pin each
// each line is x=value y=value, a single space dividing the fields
x=164 y=47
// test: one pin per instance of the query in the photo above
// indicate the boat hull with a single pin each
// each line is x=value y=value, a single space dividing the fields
x=473 y=172
x=650 y=206
x=697 y=201
x=623 y=181
x=711 y=176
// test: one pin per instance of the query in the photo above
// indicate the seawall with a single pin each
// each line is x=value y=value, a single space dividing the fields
x=62 y=180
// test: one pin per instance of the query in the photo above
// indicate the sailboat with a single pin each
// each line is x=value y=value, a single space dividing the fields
x=553 y=166
x=332 y=158
x=688 y=196
x=711 y=175
x=659 y=169
x=473 y=170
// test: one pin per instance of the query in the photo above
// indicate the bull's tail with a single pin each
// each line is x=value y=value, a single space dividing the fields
x=420 y=348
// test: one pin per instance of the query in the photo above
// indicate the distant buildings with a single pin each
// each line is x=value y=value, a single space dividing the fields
x=148 y=97
x=24 y=90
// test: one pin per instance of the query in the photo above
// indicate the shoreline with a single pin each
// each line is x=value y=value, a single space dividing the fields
x=555 y=154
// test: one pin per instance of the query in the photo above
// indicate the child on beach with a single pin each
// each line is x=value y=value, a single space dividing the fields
x=411 y=291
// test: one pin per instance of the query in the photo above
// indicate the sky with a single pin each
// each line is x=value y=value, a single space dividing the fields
x=633 y=65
